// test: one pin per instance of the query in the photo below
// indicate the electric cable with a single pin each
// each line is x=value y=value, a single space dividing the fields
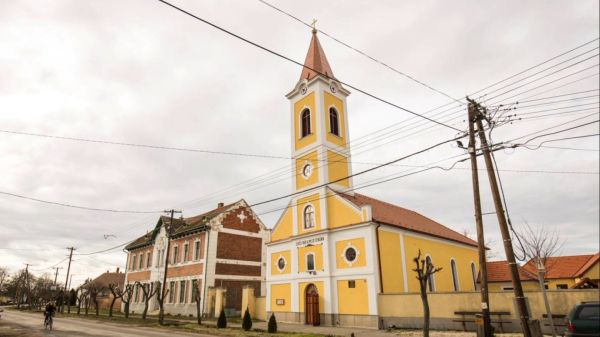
x=301 y=64
x=362 y=53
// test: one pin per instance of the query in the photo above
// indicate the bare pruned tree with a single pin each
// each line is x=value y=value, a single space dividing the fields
x=81 y=299
x=3 y=276
x=148 y=291
x=116 y=294
x=160 y=298
x=424 y=269
x=539 y=244
x=126 y=297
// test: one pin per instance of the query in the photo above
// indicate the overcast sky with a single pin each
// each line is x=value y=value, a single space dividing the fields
x=141 y=72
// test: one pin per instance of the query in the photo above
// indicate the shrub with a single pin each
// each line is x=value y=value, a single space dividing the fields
x=247 y=321
x=222 y=321
x=272 y=324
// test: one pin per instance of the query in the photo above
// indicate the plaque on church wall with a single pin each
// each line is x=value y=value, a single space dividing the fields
x=280 y=301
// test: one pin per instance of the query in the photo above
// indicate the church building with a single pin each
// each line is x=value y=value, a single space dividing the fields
x=333 y=251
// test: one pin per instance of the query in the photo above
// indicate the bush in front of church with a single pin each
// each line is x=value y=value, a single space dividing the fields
x=222 y=321
x=272 y=327
x=247 y=321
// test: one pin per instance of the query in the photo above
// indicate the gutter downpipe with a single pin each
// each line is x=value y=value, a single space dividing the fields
x=205 y=271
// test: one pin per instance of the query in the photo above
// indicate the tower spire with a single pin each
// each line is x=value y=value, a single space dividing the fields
x=316 y=62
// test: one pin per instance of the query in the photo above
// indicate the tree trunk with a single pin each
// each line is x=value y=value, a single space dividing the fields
x=146 y=304
x=112 y=304
x=425 y=313
x=161 y=313
x=97 y=307
x=198 y=313
x=127 y=309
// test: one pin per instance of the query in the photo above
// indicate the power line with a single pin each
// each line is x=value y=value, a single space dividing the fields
x=363 y=53
x=302 y=65
x=537 y=65
x=562 y=113
x=159 y=147
x=74 y=206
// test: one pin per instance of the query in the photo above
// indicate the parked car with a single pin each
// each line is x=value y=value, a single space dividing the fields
x=583 y=320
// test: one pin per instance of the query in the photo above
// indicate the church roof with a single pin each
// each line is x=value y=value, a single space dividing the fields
x=386 y=213
x=316 y=62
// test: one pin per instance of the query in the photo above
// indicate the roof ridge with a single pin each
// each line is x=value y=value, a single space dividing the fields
x=417 y=213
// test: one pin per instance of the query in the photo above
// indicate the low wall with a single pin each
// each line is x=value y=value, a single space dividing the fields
x=406 y=310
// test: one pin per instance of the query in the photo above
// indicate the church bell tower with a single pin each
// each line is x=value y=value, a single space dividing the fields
x=320 y=149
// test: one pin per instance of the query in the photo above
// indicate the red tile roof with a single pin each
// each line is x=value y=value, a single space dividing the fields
x=397 y=216
x=315 y=60
x=108 y=278
x=557 y=267
x=593 y=260
x=565 y=266
x=497 y=271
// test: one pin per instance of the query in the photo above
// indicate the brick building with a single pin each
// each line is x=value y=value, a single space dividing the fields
x=220 y=248
x=103 y=282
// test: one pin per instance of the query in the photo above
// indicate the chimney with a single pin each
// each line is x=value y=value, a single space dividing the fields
x=117 y=270
x=219 y=205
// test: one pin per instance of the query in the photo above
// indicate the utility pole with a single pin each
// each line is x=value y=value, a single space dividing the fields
x=71 y=249
x=508 y=248
x=485 y=302
x=27 y=283
x=56 y=274
x=161 y=312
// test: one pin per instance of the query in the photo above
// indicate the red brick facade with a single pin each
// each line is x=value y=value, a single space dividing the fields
x=238 y=247
x=233 y=221
x=237 y=269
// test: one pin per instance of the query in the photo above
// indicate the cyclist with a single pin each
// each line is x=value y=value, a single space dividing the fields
x=48 y=313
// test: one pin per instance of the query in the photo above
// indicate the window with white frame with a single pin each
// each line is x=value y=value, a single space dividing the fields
x=431 y=283
x=334 y=126
x=474 y=275
x=171 y=291
x=281 y=263
x=181 y=291
x=175 y=254
x=186 y=252
x=197 y=250
x=309 y=217
x=310 y=262
x=141 y=261
x=454 y=275
x=149 y=260
x=133 y=262
x=305 y=123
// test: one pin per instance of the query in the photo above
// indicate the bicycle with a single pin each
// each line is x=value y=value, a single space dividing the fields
x=48 y=322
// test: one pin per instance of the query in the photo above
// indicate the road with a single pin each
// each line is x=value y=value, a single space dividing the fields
x=21 y=324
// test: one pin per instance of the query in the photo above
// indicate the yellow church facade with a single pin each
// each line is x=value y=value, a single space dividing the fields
x=333 y=251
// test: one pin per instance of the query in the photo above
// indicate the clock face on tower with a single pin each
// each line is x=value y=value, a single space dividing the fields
x=307 y=171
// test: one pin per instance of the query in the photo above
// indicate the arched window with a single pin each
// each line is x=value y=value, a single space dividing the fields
x=305 y=119
x=454 y=275
x=431 y=281
x=310 y=262
x=474 y=275
x=309 y=217
x=334 y=122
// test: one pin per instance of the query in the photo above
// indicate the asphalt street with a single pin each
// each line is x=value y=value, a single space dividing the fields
x=21 y=324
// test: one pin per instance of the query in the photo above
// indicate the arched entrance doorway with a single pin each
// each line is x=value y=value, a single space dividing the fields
x=311 y=306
